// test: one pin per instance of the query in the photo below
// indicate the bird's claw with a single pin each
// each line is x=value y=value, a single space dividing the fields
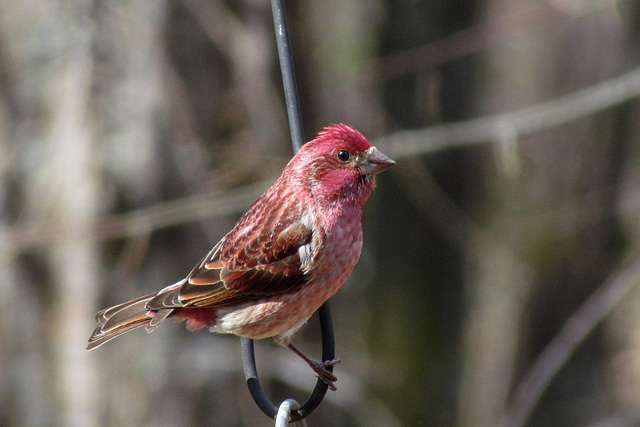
x=320 y=368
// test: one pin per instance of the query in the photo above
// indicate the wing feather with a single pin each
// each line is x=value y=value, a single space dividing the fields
x=249 y=263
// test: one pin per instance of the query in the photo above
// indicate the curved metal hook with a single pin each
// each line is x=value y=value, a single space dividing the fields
x=253 y=382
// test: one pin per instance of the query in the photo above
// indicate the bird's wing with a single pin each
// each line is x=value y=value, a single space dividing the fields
x=251 y=262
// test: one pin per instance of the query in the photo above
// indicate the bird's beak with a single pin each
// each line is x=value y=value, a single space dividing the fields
x=374 y=162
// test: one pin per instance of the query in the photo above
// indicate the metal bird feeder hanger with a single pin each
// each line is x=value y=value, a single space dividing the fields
x=287 y=410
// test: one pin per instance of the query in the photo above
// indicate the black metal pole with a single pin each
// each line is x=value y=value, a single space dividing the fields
x=288 y=74
x=326 y=326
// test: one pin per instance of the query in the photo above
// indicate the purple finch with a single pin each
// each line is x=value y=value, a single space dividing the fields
x=291 y=251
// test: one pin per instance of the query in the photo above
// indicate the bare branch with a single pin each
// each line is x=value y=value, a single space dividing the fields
x=139 y=222
x=525 y=121
x=574 y=331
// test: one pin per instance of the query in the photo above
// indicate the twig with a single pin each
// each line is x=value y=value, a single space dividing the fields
x=525 y=121
x=138 y=222
x=538 y=18
x=574 y=331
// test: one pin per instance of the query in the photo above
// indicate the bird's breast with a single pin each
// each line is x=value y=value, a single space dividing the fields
x=279 y=316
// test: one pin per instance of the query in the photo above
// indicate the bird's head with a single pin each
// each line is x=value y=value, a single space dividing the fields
x=340 y=164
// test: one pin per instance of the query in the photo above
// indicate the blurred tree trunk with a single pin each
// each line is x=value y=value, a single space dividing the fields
x=498 y=289
x=49 y=67
x=336 y=55
x=568 y=243
x=498 y=283
x=243 y=38
x=135 y=126
x=70 y=178
x=623 y=327
x=22 y=350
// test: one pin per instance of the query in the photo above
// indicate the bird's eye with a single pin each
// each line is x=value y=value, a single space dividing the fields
x=343 y=155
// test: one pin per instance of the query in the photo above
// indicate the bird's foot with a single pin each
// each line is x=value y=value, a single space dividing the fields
x=320 y=368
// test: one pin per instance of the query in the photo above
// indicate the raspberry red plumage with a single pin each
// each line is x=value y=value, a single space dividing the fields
x=290 y=252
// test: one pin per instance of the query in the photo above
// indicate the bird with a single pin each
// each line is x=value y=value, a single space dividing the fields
x=290 y=252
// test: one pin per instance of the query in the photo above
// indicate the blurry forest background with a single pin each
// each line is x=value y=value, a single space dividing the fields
x=498 y=283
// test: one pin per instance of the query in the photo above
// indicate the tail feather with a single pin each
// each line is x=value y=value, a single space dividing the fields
x=125 y=317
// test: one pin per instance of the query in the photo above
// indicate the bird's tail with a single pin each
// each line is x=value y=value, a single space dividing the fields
x=125 y=317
